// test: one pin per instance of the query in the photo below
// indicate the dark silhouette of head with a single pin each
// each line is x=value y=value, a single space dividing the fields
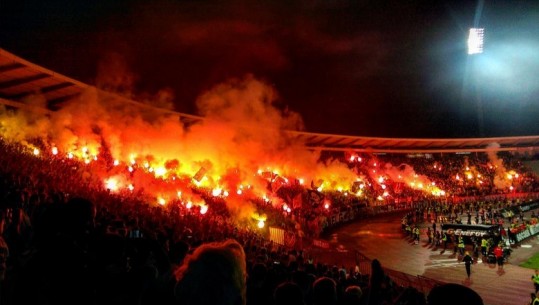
x=450 y=294
x=213 y=275
x=352 y=295
x=288 y=293
x=324 y=291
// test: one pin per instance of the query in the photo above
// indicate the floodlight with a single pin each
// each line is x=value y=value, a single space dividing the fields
x=475 y=41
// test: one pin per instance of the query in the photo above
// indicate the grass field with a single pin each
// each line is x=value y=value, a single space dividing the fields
x=532 y=263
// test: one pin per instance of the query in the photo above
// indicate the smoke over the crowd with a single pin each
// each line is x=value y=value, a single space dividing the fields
x=500 y=172
x=404 y=173
x=243 y=133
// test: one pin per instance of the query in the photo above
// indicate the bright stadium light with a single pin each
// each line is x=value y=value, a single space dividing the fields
x=475 y=41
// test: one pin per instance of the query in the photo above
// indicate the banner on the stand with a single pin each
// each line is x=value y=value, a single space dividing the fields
x=528 y=232
x=320 y=243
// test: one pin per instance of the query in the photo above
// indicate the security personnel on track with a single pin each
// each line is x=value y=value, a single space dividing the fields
x=461 y=245
x=484 y=245
x=535 y=279
x=444 y=239
x=416 y=234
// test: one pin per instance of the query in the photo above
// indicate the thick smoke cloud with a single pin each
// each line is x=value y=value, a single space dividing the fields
x=500 y=172
x=242 y=133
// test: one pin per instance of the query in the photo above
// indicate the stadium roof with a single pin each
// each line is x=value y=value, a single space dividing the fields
x=20 y=79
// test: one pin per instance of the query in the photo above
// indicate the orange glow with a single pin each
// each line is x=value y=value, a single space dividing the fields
x=111 y=184
x=164 y=158
x=203 y=209
x=216 y=192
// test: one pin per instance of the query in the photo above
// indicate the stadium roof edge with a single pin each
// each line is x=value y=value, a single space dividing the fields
x=20 y=78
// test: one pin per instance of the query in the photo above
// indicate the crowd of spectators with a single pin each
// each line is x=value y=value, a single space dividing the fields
x=66 y=239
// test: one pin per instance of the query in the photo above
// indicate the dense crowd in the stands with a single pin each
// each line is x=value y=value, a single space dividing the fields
x=69 y=240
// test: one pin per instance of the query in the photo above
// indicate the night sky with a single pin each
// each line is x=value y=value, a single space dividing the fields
x=365 y=68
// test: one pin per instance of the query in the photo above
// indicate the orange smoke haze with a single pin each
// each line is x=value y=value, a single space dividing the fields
x=501 y=180
x=242 y=133
x=404 y=173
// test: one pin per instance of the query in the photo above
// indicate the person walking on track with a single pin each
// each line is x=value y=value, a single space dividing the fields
x=498 y=252
x=468 y=260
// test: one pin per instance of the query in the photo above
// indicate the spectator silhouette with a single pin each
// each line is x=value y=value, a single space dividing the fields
x=380 y=285
x=324 y=291
x=259 y=292
x=352 y=295
x=450 y=294
x=288 y=293
x=213 y=275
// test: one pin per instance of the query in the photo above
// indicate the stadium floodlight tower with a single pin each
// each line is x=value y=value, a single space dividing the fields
x=475 y=46
x=475 y=41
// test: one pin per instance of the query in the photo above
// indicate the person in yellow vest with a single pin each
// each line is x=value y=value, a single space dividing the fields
x=416 y=234
x=536 y=300
x=461 y=245
x=535 y=279
x=484 y=245
x=444 y=239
